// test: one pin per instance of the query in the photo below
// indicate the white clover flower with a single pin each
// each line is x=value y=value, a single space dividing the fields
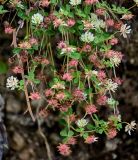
x=89 y=73
x=75 y=2
x=97 y=23
x=111 y=86
x=130 y=127
x=82 y=122
x=115 y=61
x=37 y=19
x=87 y=37
x=125 y=30
x=12 y=82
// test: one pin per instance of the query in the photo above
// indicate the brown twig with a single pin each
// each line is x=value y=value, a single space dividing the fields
x=14 y=43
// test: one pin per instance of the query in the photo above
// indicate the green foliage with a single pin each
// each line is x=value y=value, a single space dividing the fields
x=2 y=10
x=3 y=67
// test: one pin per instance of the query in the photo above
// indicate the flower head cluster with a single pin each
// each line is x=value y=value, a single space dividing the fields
x=64 y=149
x=125 y=30
x=37 y=19
x=82 y=122
x=67 y=52
x=111 y=86
x=87 y=37
x=90 y=109
x=12 y=82
x=130 y=127
x=90 y=2
x=91 y=139
x=75 y=2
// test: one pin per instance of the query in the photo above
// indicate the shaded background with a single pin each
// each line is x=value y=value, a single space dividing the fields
x=25 y=143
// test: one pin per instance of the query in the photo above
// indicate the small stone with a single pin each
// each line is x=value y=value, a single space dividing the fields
x=18 y=141
x=13 y=105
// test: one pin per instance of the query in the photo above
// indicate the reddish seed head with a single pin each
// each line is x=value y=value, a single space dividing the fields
x=90 y=2
x=100 y=12
x=33 y=41
x=53 y=102
x=35 y=96
x=49 y=92
x=111 y=133
x=72 y=141
x=62 y=45
x=72 y=118
x=110 y=22
x=60 y=96
x=101 y=75
x=8 y=30
x=67 y=77
x=101 y=100
x=71 y=22
x=45 y=61
x=73 y=63
x=91 y=139
x=87 y=48
x=17 y=69
x=113 y=41
x=64 y=149
x=90 y=109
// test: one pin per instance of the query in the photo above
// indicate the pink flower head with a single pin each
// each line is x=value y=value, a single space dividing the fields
x=118 y=80
x=8 y=30
x=78 y=95
x=87 y=25
x=111 y=133
x=33 y=41
x=67 y=77
x=90 y=109
x=35 y=96
x=63 y=108
x=49 y=93
x=45 y=61
x=62 y=45
x=60 y=96
x=17 y=69
x=100 y=11
x=72 y=118
x=57 y=22
x=101 y=75
x=72 y=141
x=110 y=22
x=110 y=53
x=73 y=63
x=64 y=149
x=53 y=102
x=113 y=41
x=71 y=22
x=118 y=25
x=87 y=48
x=127 y=16
x=93 y=58
x=90 y=2
x=101 y=100
x=91 y=139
